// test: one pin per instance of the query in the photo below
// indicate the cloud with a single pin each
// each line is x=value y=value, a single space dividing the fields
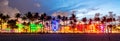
x=60 y=13
x=86 y=10
x=6 y=9
x=96 y=7
x=3 y=2
x=25 y=6
x=83 y=8
x=37 y=5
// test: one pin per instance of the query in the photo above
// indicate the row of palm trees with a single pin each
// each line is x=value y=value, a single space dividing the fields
x=3 y=19
x=44 y=17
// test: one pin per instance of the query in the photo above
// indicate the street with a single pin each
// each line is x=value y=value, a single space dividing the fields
x=60 y=37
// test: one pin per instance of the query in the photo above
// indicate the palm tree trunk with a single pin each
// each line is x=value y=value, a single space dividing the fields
x=17 y=19
x=1 y=25
x=43 y=27
x=64 y=26
x=25 y=28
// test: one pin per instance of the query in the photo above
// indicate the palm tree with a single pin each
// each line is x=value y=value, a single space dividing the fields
x=66 y=20
x=12 y=24
x=24 y=18
x=90 y=21
x=110 y=19
x=96 y=18
x=36 y=16
x=74 y=18
x=43 y=17
x=63 y=19
x=17 y=15
x=73 y=21
x=118 y=18
x=104 y=19
x=59 y=17
x=4 y=19
x=7 y=18
x=29 y=16
x=1 y=24
x=25 y=24
x=84 y=20
x=49 y=18
x=1 y=14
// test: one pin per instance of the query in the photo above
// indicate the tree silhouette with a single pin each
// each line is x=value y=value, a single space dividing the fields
x=24 y=18
x=90 y=21
x=66 y=19
x=118 y=18
x=96 y=18
x=12 y=24
x=73 y=21
x=36 y=16
x=29 y=16
x=43 y=17
x=7 y=18
x=59 y=17
x=104 y=19
x=17 y=15
x=63 y=19
x=49 y=18
x=4 y=19
x=1 y=15
x=84 y=20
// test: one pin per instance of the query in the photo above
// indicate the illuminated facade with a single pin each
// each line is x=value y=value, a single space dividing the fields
x=57 y=28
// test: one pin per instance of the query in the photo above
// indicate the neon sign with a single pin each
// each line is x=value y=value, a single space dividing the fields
x=55 y=25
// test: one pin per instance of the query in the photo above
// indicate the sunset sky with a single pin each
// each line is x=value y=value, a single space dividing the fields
x=81 y=7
